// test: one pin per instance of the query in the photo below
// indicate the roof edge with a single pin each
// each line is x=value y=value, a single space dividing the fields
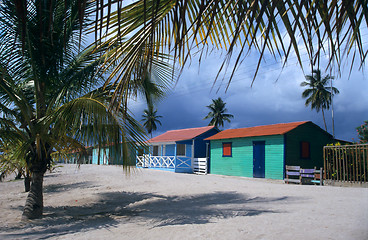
x=299 y=123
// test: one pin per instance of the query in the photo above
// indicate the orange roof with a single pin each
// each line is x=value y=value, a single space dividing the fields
x=266 y=130
x=180 y=135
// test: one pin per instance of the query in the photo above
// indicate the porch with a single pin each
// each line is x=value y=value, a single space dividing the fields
x=183 y=151
x=181 y=164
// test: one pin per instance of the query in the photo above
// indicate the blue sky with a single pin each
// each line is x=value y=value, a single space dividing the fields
x=275 y=97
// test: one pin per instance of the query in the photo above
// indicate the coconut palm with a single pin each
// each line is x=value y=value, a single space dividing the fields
x=51 y=98
x=278 y=28
x=318 y=94
x=150 y=119
x=217 y=113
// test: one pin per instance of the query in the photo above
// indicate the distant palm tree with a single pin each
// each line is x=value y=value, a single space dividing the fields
x=318 y=94
x=150 y=119
x=217 y=114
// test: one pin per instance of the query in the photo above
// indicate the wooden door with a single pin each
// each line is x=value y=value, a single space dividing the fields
x=259 y=159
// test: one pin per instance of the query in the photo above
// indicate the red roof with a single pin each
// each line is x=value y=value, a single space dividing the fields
x=266 y=130
x=180 y=135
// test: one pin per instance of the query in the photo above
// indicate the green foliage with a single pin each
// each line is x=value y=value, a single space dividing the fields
x=52 y=97
x=150 y=119
x=362 y=131
x=280 y=28
x=334 y=144
x=9 y=163
x=218 y=113
x=318 y=94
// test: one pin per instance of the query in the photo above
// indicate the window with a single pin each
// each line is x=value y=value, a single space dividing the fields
x=180 y=149
x=155 y=151
x=226 y=149
x=305 y=150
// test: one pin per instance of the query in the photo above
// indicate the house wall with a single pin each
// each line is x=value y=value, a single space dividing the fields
x=200 y=143
x=317 y=138
x=170 y=150
x=111 y=156
x=241 y=162
x=103 y=156
x=116 y=157
x=188 y=147
x=188 y=150
x=199 y=150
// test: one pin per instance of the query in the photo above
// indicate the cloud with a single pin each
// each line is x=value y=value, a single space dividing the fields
x=275 y=97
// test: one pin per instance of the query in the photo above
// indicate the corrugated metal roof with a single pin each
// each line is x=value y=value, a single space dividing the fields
x=266 y=130
x=180 y=135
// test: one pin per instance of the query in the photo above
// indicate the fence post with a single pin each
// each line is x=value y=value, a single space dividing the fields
x=346 y=163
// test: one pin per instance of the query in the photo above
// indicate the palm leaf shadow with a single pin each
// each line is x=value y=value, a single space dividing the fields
x=117 y=208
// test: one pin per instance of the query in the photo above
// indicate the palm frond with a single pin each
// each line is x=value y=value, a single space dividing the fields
x=142 y=30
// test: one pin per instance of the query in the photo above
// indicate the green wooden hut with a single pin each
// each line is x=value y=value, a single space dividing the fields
x=263 y=151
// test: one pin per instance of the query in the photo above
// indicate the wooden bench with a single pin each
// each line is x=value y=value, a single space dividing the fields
x=295 y=174
x=292 y=174
x=318 y=176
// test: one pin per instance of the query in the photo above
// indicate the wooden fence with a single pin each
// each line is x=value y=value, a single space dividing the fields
x=348 y=163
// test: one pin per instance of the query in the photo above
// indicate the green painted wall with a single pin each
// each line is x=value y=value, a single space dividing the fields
x=241 y=162
x=317 y=138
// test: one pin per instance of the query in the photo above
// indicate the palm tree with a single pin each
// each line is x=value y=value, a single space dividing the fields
x=217 y=113
x=145 y=29
x=137 y=38
x=318 y=94
x=51 y=98
x=150 y=119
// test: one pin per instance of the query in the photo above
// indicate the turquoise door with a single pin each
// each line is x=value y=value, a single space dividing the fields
x=259 y=159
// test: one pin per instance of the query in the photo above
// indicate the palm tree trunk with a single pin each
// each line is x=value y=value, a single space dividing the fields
x=324 y=120
x=27 y=182
x=34 y=203
x=19 y=174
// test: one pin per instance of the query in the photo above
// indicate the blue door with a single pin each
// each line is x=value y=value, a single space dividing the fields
x=259 y=159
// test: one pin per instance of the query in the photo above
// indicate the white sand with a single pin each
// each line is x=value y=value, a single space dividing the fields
x=100 y=202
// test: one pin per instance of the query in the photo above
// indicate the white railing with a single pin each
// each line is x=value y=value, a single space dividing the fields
x=148 y=161
x=200 y=166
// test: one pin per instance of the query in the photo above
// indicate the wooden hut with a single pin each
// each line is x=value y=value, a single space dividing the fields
x=263 y=151
x=176 y=150
x=112 y=155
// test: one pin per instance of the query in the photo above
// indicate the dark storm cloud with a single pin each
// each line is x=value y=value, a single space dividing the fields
x=273 y=98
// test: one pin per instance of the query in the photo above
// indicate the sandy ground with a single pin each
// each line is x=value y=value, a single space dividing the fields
x=101 y=202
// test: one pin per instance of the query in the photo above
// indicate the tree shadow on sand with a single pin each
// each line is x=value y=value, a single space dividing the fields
x=155 y=210
x=55 y=188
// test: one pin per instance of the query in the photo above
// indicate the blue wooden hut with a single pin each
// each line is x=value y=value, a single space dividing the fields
x=175 y=150
x=263 y=151
x=109 y=155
